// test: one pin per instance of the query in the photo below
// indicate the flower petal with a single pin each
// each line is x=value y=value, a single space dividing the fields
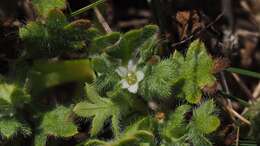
x=124 y=84
x=131 y=66
x=139 y=75
x=121 y=71
x=133 y=88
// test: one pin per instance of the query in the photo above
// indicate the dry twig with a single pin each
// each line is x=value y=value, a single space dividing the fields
x=243 y=86
x=102 y=21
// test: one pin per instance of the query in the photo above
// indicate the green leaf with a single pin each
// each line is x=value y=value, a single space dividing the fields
x=192 y=72
x=175 y=127
x=103 y=43
x=148 y=49
x=9 y=127
x=205 y=113
x=6 y=91
x=40 y=139
x=101 y=64
x=100 y=109
x=176 y=132
x=53 y=37
x=12 y=96
x=49 y=74
x=200 y=63
x=45 y=6
x=131 y=41
x=182 y=76
x=57 y=123
x=157 y=82
x=56 y=19
x=135 y=134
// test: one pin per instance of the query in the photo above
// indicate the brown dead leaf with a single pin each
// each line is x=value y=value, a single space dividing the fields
x=183 y=18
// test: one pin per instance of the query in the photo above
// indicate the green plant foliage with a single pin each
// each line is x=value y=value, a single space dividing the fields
x=101 y=64
x=53 y=36
x=100 y=109
x=158 y=81
x=9 y=127
x=182 y=76
x=198 y=128
x=193 y=72
x=135 y=135
x=176 y=125
x=205 y=111
x=12 y=97
x=49 y=74
x=131 y=41
x=56 y=123
x=178 y=132
x=117 y=94
x=148 y=49
x=103 y=43
x=45 y=6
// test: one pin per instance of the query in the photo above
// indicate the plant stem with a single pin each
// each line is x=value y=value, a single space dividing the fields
x=242 y=102
x=243 y=72
x=86 y=8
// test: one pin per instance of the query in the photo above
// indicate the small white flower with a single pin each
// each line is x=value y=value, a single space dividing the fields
x=130 y=77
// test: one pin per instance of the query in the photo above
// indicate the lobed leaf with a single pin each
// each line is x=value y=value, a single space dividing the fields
x=193 y=72
x=45 y=6
x=175 y=127
x=135 y=134
x=12 y=96
x=100 y=109
x=157 y=82
x=9 y=127
x=57 y=123
x=53 y=37
x=205 y=113
x=131 y=41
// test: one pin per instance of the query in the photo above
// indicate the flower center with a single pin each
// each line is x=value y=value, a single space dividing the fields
x=131 y=78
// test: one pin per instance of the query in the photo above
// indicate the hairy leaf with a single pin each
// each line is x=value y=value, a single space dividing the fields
x=103 y=43
x=53 y=37
x=134 y=135
x=131 y=41
x=175 y=127
x=192 y=72
x=100 y=109
x=101 y=64
x=205 y=113
x=9 y=127
x=45 y=6
x=57 y=123
x=12 y=96
x=157 y=82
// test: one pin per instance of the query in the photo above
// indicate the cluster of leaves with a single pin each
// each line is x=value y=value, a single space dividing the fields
x=178 y=78
x=54 y=36
x=12 y=99
x=184 y=75
x=178 y=132
x=174 y=78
